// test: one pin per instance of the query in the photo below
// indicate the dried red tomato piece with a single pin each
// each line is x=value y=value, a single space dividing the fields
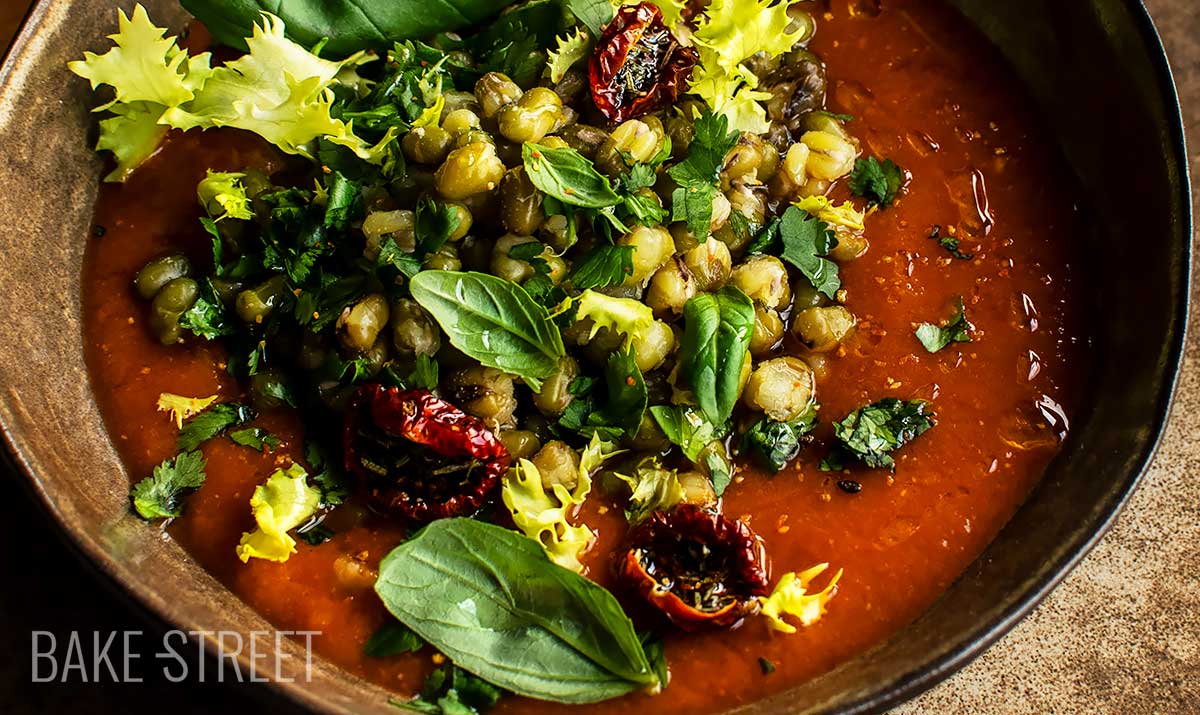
x=699 y=568
x=638 y=65
x=420 y=456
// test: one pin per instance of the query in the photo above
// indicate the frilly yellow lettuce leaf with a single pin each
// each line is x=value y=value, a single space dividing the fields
x=729 y=33
x=542 y=515
x=432 y=114
x=145 y=66
x=840 y=215
x=132 y=134
x=571 y=49
x=630 y=317
x=223 y=196
x=654 y=489
x=278 y=90
x=283 y=503
x=791 y=598
x=182 y=407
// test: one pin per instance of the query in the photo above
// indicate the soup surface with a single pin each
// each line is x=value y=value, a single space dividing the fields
x=925 y=90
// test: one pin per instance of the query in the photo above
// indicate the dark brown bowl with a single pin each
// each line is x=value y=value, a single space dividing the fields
x=1095 y=67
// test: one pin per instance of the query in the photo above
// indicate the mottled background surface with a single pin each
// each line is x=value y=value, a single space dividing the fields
x=1120 y=636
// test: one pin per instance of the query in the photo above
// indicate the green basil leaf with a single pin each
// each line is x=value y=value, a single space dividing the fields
x=773 y=444
x=627 y=395
x=716 y=336
x=601 y=267
x=496 y=606
x=870 y=433
x=568 y=176
x=594 y=14
x=347 y=25
x=493 y=321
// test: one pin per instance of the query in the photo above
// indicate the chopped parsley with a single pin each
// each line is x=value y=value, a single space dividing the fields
x=956 y=330
x=212 y=422
x=255 y=438
x=159 y=495
x=697 y=176
x=950 y=243
x=877 y=182
x=870 y=433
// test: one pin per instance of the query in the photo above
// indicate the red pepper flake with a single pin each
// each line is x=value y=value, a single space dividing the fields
x=701 y=569
x=638 y=65
x=420 y=456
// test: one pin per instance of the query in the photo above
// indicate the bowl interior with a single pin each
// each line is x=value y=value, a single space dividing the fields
x=1095 y=69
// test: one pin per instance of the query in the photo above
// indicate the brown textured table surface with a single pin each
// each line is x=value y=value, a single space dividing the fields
x=1120 y=636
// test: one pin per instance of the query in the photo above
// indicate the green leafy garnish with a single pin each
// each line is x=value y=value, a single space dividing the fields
x=478 y=593
x=698 y=175
x=870 y=433
x=877 y=182
x=950 y=243
x=212 y=422
x=255 y=438
x=207 y=317
x=434 y=223
x=223 y=196
x=572 y=48
x=806 y=241
x=392 y=638
x=359 y=25
x=688 y=429
x=955 y=330
x=601 y=267
x=627 y=397
x=716 y=338
x=594 y=14
x=158 y=496
x=452 y=691
x=493 y=321
x=568 y=176
x=773 y=444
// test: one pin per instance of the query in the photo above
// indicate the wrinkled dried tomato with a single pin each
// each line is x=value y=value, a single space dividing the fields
x=420 y=456
x=699 y=568
x=638 y=65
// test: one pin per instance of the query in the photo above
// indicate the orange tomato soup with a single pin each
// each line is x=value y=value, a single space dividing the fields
x=926 y=90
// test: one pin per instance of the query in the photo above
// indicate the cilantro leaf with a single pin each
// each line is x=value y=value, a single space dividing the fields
x=644 y=206
x=212 y=422
x=327 y=477
x=159 y=495
x=450 y=690
x=434 y=224
x=207 y=317
x=695 y=435
x=601 y=267
x=806 y=241
x=697 y=175
x=956 y=330
x=255 y=438
x=878 y=182
x=869 y=433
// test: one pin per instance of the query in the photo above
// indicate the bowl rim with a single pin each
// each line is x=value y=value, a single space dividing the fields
x=910 y=684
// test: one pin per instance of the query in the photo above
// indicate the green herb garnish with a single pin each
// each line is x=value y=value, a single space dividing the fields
x=877 y=182
x=159 y=495
x=870 y=433
x=955 y=330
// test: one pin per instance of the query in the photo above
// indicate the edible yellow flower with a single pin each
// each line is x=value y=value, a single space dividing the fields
x=283 y=503
x=791 y=598
x=839 y=215
x=182 y=407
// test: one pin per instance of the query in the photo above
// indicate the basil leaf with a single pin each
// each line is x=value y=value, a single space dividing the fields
x=716 y=336
x=773 y=444
x=568 y=176
x=493 y=321
x=346 y=25
x=601 y=267
x=699 y=440
x=627 y=396
x=495 y=605
x=806 y=242
x=594 y=14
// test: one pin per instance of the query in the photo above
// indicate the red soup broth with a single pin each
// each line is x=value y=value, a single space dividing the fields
x=926 y=90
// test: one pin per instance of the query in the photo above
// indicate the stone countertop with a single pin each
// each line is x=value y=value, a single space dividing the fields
x=1119 y=636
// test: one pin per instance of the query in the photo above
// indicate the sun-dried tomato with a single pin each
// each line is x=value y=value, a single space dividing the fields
x=420 y=456
x=638 y=65
x=699 y=568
